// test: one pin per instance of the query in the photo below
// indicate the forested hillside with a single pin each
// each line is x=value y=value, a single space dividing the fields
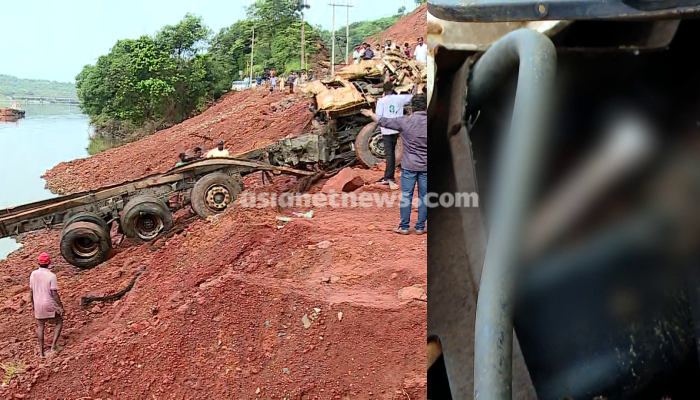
x=12 y=86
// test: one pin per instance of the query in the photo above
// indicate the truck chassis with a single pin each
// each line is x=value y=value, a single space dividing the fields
x=141 y=208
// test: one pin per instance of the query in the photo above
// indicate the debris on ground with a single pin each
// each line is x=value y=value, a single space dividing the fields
x=179 y=313
x=347 y=180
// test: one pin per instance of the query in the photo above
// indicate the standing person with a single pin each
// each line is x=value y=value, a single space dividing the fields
x=368 y=54
x=406 y=50
x=291 y=83
x=258 y=80
x=414 y=161
x=272 y=73
x=356 y=55
x=281 y=83
x=421 y=51
x=273 y=83
x=219 y=151
x=390 y=106
x=378 y=51
x=388 y=45
x=45 y=301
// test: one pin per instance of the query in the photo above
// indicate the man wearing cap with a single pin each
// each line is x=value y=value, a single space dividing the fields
x=45 y=301
x=220 y=151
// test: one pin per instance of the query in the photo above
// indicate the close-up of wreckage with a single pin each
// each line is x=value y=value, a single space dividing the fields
x=577 y=124
x=341 y=133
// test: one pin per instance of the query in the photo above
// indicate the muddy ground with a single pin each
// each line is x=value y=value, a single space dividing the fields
x=243 y=306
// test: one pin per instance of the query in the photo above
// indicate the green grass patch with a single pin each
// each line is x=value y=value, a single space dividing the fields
x=11 y=369
x=98 y=145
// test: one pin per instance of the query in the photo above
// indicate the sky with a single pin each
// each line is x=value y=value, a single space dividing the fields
x=49 y=39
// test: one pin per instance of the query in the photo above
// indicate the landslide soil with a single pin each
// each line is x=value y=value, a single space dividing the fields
x=244 y=120
x=242 y=306
x=406 y=29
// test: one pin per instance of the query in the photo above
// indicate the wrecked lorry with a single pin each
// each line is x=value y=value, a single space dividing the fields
x=338 y=101
x=576 y=123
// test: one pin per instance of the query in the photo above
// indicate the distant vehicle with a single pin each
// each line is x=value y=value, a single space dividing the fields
x=239 y=85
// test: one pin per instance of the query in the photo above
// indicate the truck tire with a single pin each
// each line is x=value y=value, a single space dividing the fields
x=85 y=216
x=85 y=244
x=213 y=193
x=369 y=146
x=145 y=217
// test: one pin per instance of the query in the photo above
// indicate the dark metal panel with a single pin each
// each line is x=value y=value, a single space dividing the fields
x=522 y=10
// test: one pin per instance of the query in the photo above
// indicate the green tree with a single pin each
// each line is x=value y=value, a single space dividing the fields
x=159 y=80
x=12 y=86
x=420 y=2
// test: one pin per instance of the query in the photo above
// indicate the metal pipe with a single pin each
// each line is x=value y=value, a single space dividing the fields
x=517 y=170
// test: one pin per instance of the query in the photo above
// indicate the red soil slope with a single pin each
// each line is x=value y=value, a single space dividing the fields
x=405 y=30
x=245 y=120
x=240 y=307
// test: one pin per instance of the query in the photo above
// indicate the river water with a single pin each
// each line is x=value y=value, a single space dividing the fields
x=47 y=136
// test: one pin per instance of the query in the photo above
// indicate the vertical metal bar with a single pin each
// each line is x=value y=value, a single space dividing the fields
x=517 y=170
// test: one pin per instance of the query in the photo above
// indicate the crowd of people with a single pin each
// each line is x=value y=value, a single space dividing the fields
x=365 y=52
x=273 y=82
x=281 y=83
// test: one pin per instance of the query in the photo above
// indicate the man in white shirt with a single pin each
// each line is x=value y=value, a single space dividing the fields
x=421 y=51
x=390 y=106
x=220 y=151
x=356 y=55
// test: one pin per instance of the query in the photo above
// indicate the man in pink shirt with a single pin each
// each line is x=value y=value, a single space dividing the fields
x=46 y=303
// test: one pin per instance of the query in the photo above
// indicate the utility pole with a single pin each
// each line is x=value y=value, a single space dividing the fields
x=347 y=31
x=302 y=35
x=252 y=49
x=333 y=44
x=347 y=34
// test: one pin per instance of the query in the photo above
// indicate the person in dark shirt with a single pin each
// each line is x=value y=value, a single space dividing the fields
x=369 y=54
x=414 y=160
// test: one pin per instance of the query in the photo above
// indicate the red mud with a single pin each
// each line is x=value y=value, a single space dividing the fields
x=245 y=120
x=405 y=30
x=221 y=310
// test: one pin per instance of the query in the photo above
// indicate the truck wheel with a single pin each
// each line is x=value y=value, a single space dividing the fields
x=369 y=146
x=145 y=217
x=213 y=193
x=85 y=216
x=85 y=244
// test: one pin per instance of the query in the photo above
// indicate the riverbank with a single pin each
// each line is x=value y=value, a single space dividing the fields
x=47 y=136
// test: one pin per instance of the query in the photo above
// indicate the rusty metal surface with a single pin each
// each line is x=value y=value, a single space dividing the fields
x=519 y=10
x=458 y=241
x=451 y=283
x=517 y=173
x=479 y=36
